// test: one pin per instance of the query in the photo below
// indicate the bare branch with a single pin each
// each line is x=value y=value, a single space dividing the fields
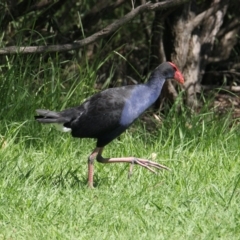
x=235 y=23
x=100 y=10
x=102 y=33
x=206 y=14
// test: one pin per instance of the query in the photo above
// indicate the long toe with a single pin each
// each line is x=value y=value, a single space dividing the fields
x=145 y=165
x=148 y=163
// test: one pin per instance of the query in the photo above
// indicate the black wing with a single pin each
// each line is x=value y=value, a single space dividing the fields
x=99 y=115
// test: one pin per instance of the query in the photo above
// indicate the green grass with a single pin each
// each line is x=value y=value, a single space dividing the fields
x=44 y=194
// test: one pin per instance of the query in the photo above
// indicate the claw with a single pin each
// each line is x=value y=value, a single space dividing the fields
x=146 y=164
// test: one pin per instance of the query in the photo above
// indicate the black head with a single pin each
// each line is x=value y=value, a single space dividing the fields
x=170 y=70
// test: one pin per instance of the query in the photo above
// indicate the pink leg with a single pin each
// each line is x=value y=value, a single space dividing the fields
x=132 y=160
x=91 y=166
x=97 y=153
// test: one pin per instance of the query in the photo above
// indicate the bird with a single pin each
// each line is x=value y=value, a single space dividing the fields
x=108 y=113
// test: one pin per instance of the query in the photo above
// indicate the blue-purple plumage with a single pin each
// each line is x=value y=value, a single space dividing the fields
x=107 y=114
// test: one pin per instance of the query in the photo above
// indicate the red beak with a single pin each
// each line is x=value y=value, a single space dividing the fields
x=179 y=77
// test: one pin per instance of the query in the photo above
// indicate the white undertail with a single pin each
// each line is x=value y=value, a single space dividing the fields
x=61 y=128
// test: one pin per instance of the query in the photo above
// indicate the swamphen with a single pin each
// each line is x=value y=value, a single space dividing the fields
x=109 y=113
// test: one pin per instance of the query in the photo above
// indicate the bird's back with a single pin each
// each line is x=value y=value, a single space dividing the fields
x=98 y=115
x=107 y=114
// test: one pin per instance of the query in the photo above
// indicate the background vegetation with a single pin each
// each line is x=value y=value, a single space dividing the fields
x=44 y=194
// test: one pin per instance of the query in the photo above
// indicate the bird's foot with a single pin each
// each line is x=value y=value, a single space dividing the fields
x=146 y=164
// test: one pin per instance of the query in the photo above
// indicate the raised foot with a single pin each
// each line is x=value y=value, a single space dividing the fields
x=146 y=164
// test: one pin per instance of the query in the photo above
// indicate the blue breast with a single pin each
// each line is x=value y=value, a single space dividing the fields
x=141 y=98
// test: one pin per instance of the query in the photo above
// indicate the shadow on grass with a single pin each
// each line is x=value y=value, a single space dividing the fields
x=64 y=179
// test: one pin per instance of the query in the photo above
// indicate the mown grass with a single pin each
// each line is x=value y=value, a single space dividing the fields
x=43 y=173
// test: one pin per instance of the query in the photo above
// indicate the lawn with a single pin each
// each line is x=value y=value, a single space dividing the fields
x=44 y=193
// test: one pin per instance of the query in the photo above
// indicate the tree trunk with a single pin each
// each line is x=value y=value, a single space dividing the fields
x=193 y=32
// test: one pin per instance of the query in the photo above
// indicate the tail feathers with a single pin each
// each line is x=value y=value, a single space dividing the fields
x=46 y=116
